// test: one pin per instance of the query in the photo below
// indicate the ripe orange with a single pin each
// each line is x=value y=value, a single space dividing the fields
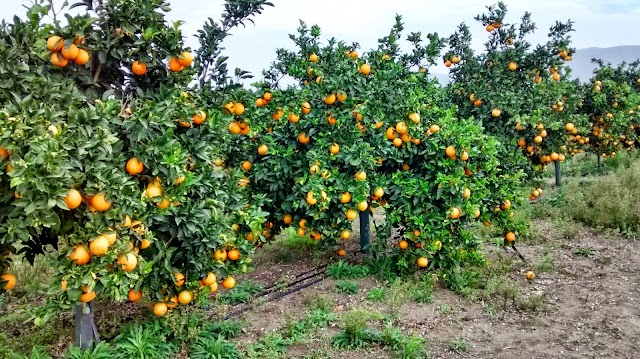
x=341 y=252
x=246 y=165
x=530 y=275
x=303 y=138
x=397 y=142
x=496 y=112
x=185 y=59
x=145 y=243
x=414 y=117
x=351 y=214
x=58 y=60
x=537 y=139
x=422 y=262
x=345 y=234
x=390 y=133
x=86 y=297
x=451 y=152
x=99 y=246
x=477 y=103
x=361 y=175
x=569 y=126
x=153 y=190
x=263 y=149
x=73 y=199
x=100 y=203
x=334 y=149
x=401 y=127
x=455 y=59
x=80 y=255
x=234 y=128
x=199 y=118
x=174 y=65
x=512 y=66
x=128 y=262
x=341 y=96
x=555 y=77
x=464 y=156
x=466 y=193
x=330 y=99
x=220 y=255
x=489 y=28
x=306 y=108
x=134 y=166
x=455 y=213
x=229 y=282
x=362 y=206
x=9 y=281
x=345 y=197
x=185 y=297
x=403 y=244
x=313 y=58
x=233 y=255
x=70 y=52
x=179 y=279
x=365 y=69
x=448 y=63
x=134 y=295
x=261 y=102
x=378 y=192
x=287 y=219
x=139 y=68
x=510 y=236
x=554 y=156
x=160 y=309
x=55 y=43
x=82 y=58
x=434 y=128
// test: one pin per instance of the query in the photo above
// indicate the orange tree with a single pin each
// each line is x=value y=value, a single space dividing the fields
x=126 y=198
x=519 y=93
x=611 y=102
x=358 y=132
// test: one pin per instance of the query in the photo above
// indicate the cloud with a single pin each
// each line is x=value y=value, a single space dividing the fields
x=598 y=23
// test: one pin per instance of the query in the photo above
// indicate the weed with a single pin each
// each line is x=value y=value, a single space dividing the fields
x=533 y=303
x=241 y=293
x=459 y=344
x=227 y=329
x=342 y=270
x=207 y=347
x=145 y=340
x=319 y=302
x=355 y=332
x=444 y=309
x=376 y=294
x=347 y=287
x=36 y=353
x=546 y=263
x=272 y=345
x=584 y=252
x=100 y=351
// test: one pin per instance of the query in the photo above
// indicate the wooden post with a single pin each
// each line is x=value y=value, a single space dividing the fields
x=558 y=174
x=86 y=332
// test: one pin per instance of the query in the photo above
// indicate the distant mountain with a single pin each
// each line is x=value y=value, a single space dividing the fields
x=581 y=65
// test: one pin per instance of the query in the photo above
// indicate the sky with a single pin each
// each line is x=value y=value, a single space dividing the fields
x=598 y=23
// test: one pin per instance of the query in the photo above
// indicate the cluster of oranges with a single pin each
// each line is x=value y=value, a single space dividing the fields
x=184 y=297
x=176 y=64
x=63 y=51
x=453 y=60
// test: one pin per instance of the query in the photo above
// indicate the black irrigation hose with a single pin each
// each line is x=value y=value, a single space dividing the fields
x=310 y=278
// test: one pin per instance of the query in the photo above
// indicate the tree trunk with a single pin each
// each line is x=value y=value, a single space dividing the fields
x=86 y=332
x=365 y=231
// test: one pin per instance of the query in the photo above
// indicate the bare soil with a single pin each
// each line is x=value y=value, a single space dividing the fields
x=586 y=306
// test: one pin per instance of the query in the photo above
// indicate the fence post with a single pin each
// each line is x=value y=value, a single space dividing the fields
x=86 y=332
x=558 y=173
x=365 y=231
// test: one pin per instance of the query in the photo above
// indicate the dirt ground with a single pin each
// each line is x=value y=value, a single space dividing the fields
x=589 y=306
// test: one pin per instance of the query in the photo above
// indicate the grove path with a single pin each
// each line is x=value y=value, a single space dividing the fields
x=591 y=309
